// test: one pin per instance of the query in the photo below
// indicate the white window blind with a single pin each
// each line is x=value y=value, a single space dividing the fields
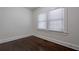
x=56 y=20
x=42 y=22
x=52 y=20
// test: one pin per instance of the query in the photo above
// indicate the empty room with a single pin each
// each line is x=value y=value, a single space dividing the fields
x=39 y=28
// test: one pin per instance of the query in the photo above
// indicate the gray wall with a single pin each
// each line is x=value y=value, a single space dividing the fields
x=73 y=27
x=14 y=22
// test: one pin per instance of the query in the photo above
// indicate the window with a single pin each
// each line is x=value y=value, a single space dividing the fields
x=42 y=21
x=56 y=20
x=52 y=20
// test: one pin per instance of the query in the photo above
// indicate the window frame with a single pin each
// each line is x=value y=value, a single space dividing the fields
x=65 y=21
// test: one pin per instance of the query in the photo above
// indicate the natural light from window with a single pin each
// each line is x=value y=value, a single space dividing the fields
x=52 y=20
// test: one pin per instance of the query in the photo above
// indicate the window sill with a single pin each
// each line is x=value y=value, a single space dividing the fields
x=53 y=31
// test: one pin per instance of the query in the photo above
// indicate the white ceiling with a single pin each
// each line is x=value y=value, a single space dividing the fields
x=32 y=8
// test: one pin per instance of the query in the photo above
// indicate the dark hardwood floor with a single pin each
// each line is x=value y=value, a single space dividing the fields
x=32 y=43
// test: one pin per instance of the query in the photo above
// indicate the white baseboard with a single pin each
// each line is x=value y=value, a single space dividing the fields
x=13 y=38
x=73 y=46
